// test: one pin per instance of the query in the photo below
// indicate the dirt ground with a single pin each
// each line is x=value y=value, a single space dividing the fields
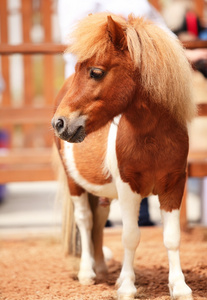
x=34 y=268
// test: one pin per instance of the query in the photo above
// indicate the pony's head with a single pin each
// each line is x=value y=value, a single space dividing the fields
x=103 y=83
x=117 y=61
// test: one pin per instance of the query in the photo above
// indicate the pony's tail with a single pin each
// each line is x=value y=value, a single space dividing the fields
x=70 y=233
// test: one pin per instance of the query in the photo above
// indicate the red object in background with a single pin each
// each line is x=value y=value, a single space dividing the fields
x=192 y=23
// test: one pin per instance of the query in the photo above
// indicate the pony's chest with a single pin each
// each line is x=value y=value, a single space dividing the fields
x=92 y=163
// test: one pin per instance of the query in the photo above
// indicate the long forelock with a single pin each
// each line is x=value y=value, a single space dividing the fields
x=90 y=36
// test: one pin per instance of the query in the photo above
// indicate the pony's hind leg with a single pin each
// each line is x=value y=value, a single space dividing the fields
x=84 y=221
x=100 y=215
x=129 y=204
x=179 y=290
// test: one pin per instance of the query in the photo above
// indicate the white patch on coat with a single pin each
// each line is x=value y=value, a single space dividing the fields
x=111 y=165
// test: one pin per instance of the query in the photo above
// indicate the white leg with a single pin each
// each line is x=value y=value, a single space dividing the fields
x=171 y=234
x=83 y=218
x=129 y=203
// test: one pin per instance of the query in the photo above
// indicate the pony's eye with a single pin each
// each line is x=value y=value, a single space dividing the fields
x=96 y=73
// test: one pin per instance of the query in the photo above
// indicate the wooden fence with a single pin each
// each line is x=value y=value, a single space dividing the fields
x=26 y=111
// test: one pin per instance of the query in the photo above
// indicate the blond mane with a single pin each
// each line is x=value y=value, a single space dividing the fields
x=164 y=69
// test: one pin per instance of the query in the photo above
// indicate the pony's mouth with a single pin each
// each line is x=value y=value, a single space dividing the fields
x=78 y=136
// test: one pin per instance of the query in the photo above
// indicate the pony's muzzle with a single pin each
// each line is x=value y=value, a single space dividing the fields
x=72 y=131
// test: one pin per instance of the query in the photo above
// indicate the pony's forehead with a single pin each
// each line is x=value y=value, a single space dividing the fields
x=90 y=35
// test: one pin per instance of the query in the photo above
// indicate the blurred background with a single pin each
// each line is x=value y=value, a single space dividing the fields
x=31 y=73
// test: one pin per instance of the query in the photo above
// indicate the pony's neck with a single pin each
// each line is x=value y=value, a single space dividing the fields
x=143 y=115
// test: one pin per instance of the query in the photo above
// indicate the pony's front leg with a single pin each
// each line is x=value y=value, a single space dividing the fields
x=179 y=290
x=129 y=204
x=84 y=221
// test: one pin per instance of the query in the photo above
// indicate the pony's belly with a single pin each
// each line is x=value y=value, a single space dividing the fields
x=107 y=189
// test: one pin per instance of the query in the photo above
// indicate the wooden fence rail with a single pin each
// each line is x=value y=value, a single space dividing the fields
x=28 y=48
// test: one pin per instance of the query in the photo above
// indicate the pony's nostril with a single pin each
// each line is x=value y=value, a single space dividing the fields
x=60 y=124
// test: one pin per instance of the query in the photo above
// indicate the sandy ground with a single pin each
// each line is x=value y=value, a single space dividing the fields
x=35 y=268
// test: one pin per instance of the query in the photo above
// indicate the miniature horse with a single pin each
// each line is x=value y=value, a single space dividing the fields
x=122 y=120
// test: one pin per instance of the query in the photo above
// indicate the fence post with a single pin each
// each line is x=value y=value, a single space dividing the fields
x=5 y=59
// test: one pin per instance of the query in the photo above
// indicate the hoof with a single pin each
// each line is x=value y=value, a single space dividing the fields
x=185 y=297
x=86 y=278
x=87 y=281
x=180 y=291
x=125 y=297
x=127 y=290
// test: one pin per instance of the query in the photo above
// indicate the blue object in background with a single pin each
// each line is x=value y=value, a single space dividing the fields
x=144 y=217
x=203 y=35
x=4 y=143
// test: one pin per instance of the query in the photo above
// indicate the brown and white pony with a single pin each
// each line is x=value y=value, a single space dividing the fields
x=122 y=120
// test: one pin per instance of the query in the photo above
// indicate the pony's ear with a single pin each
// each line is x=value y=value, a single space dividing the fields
x=116 y=34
